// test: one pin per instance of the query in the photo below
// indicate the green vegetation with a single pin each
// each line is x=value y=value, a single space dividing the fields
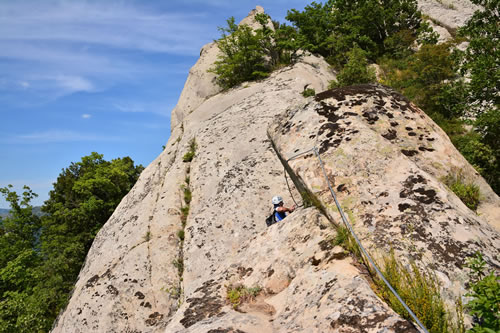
x=236 y=295
x=334 y=28
x=247 y=54
x=308 y=92
x=188 y=157
x=179 y=264
x=187 y=193
x=40 y=257
x=468 y=193
x=485 y=293
x=355 y=71
x=345 y=239
x=420 y=291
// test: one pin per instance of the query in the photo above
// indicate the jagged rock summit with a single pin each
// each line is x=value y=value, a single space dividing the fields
x=383 y=155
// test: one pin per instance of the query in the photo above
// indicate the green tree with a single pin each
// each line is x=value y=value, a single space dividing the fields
x=481 y=59
x=334 y=28
x=40 y=258
x=19 y=264
x=84 y=197
x=247 y=54
x=356 y=71
x=241 y=56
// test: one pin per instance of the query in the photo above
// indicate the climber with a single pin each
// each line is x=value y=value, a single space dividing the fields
x=279 y=209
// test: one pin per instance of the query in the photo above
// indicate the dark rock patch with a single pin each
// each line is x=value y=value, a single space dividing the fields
x=206 y=306
x=391 y=134
x=92 y=281
x=112 y=290
x=404 y=327
x=314 y=261
x=409 y=153
x=242 y=271
x=371 y=116
x=139 y=295
x=225 y=330
x=154 y=319
x=404 y=206
x=341 y=188
x=328 y=286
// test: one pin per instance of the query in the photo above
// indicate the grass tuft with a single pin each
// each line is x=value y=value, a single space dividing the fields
x=188 y=157
x=420 y=291
x=236 y=295
x=308 y=92
x=467 y=192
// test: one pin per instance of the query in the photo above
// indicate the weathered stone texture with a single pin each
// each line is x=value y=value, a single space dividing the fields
x=383 y=155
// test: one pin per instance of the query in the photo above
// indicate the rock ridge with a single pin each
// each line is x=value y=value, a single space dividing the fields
x=384 y=157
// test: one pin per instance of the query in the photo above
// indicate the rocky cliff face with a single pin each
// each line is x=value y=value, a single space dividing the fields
x=383 y=155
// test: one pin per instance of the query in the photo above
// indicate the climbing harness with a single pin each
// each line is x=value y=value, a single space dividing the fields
x=351 y=230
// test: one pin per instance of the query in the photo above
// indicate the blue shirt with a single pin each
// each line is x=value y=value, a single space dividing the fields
x=278 y=215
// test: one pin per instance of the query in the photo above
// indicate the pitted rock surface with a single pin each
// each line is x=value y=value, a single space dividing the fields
x=386 y=158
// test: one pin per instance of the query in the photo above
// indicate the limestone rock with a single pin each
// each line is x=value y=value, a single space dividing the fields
x=448 y=15
x=386 y=158
x=200 y=84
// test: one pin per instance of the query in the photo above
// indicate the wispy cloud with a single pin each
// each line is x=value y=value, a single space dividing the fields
x=110 y=23
x=86 y=46
x=54 y=136
x=162 y=109
x=86 y=116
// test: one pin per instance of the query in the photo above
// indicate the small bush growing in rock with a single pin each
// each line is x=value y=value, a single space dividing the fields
x=188 y=157
x=485 y=293
x=180 y=234
x=419 y=290
x=308 y=92
x=356 y=71
x=467 y=192
x=237 y=295
x=347 y=241
x=179 y=264
x=187 y=194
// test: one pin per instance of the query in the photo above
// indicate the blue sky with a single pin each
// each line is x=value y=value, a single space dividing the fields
x=83 y=76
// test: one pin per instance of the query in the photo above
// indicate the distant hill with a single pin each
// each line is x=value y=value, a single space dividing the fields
x=37 y=210
x=4 y=212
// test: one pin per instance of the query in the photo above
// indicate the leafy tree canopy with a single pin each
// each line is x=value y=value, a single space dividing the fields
x=335 y=27
x=247 y=54
x=481 y=59
x=40 y=258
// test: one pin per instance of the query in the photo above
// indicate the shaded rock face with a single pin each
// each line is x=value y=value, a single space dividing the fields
x=383 y=155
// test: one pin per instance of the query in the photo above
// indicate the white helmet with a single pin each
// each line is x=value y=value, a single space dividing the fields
x=277 y=199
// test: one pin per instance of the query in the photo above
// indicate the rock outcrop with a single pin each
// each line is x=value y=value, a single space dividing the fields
x=446 y=16
x=383 y=155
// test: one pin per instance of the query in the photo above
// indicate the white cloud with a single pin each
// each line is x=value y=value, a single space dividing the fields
x=162 y=109
x=24 y=84
x=74 y=46
x=73 y=83
x=86 y=116
x=59 y=136
x=111 y=24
